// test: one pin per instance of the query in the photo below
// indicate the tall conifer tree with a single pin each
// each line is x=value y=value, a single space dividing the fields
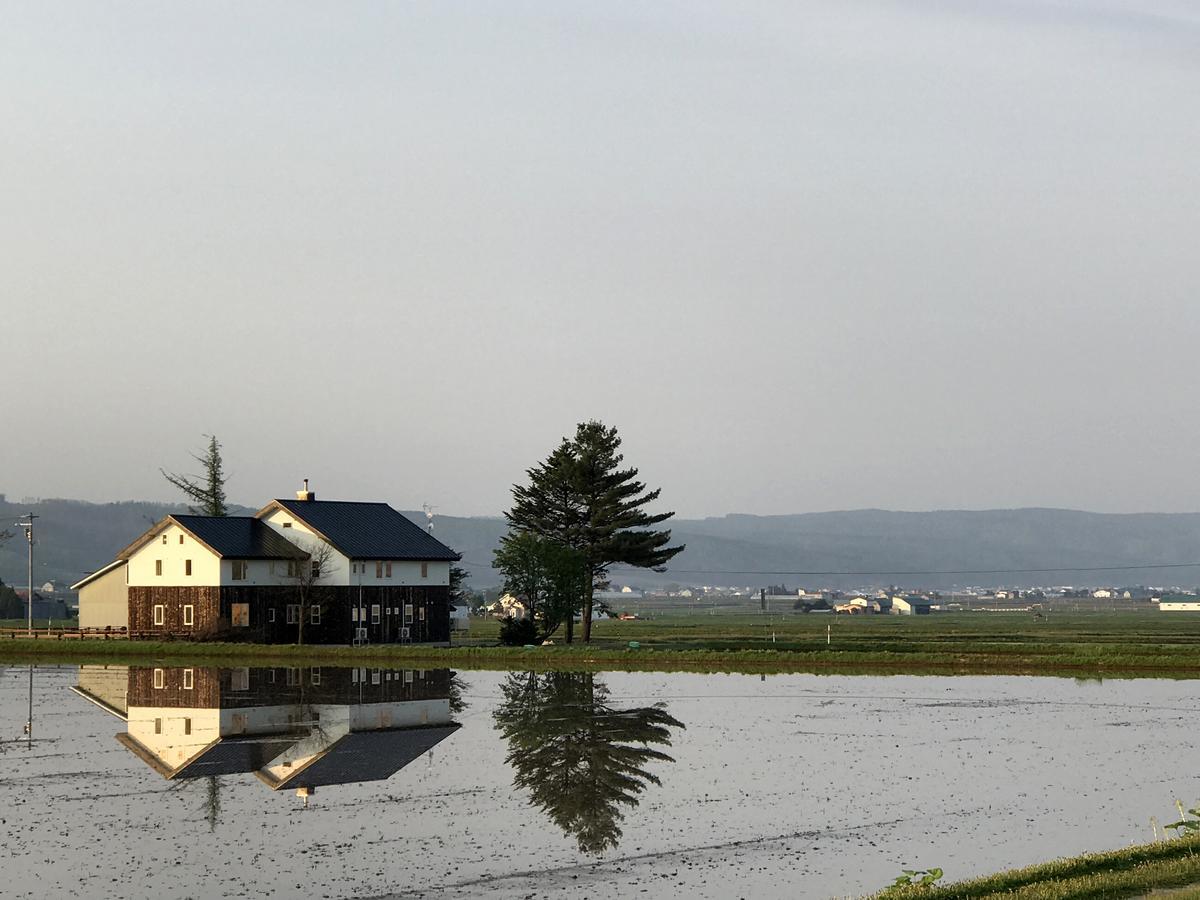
x=581 y=497
x=207 y=491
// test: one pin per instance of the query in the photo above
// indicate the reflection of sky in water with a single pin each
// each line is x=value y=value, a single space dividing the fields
x=790 y=786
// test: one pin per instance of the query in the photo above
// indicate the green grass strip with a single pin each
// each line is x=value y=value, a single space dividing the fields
x=1128 y=872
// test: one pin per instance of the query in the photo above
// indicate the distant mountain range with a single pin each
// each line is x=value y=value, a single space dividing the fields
x=75 y=537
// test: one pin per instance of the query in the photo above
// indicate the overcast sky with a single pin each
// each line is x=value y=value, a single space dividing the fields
x=804 y=255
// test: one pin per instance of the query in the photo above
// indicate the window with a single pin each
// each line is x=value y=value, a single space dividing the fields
x=271 y=675
x=158 y=726
x=158 y=567
x=271 y=614
x=189 y=614
x=287 y=525
x=293 y=568
x=316 y=569
x=164 y=538
x=421 y=614
x=408 y=612
x=408 y=676
x=354 y=614
x=187 y=726
x=239 y=569
x=424 y=570
x=293 y=613
x=314 y=615
x=181 y=539
x=378 y=570
x=316 y=676
x=374 y=613
x=160 y=614
x=159 y=679
x=293 y=677
x=239 y=615
x=189 y=679
x=374 y=676
x=187 y=567
x=387 y=569
x=239 y=679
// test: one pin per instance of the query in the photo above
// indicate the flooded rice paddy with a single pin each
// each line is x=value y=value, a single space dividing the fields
x=174 y=782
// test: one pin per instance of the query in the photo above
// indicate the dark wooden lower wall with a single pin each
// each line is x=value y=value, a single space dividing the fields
x=379 y=611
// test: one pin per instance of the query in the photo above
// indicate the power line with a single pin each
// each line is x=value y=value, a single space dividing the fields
x=1140 y=566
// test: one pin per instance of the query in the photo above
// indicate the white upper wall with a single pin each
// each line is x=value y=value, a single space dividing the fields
x=173 y=547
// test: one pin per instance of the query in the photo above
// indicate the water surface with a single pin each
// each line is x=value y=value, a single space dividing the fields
x=137 y=782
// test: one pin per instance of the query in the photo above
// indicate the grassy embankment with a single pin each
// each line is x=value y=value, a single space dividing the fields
x=1129 y=872
x=1080 y=644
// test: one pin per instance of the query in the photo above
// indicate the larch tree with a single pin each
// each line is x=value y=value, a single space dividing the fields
x=206 y=492
x=580 y=497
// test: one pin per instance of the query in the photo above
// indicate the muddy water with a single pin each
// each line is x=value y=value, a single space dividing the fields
x=142 y=784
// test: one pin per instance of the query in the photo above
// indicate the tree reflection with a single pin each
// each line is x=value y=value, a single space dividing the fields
x=581 y=759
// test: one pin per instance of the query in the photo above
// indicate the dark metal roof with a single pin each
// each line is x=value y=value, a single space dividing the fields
x=367 y=530
x=368 y=756
x=240 y=537
x=231 y=756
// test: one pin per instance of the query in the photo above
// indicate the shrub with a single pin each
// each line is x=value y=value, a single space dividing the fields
x=518 y=632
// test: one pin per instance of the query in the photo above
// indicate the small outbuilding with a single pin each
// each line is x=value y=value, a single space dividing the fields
x=911 y=606
x=1179 y=603
x=104 y=598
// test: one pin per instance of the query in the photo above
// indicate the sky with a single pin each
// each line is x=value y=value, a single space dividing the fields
x=803 y=255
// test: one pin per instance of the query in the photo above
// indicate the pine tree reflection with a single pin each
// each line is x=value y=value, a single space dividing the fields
x=580 y=759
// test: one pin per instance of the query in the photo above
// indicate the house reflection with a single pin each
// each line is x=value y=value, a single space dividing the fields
x=294 y=728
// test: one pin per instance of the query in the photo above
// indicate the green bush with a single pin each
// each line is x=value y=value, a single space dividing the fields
x=518 y=632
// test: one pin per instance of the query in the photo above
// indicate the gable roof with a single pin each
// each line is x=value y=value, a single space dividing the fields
x=364 y=756
x=366 y=530
x=230 y=537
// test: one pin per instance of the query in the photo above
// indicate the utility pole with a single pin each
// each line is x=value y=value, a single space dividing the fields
x=28 y=526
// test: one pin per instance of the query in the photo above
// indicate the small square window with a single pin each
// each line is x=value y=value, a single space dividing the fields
x=189 y=614
x=187 y=567
x=160 y=614
x=158 y=567
x=189 y=679
x=374 y=676
x=287 y=524
x=160 y=679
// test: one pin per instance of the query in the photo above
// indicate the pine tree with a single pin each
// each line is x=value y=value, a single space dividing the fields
x=207 y=492
x=581 y=497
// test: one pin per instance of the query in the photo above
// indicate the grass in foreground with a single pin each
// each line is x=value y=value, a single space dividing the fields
x=1129 y=872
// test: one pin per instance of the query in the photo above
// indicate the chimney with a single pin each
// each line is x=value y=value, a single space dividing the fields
x=305 y=494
